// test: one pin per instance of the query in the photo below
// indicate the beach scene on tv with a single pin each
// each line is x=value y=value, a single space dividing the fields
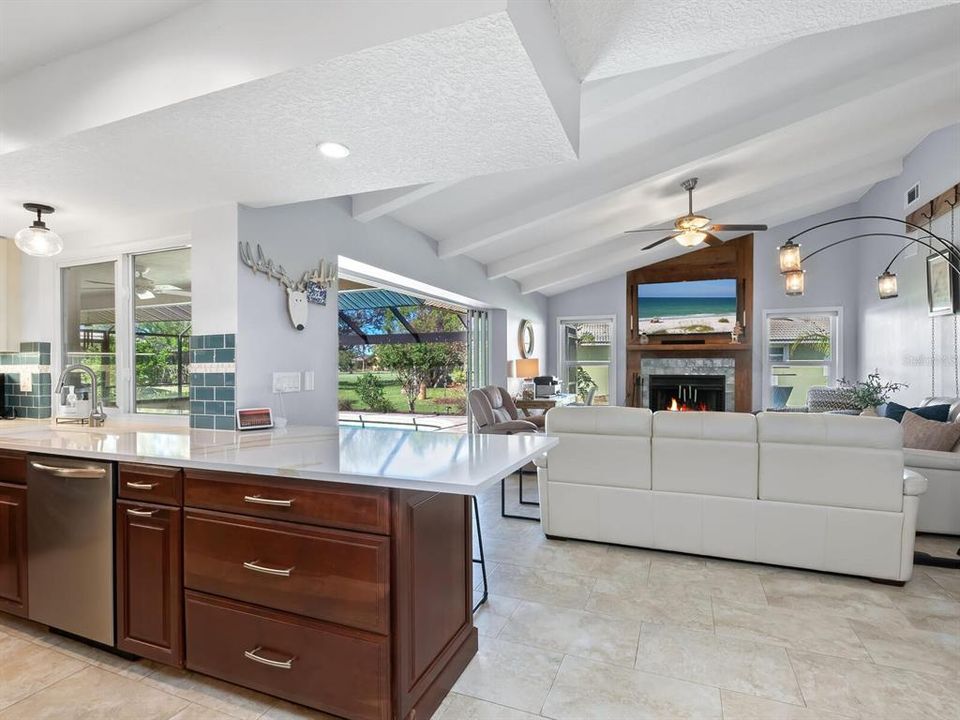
x=681 y=308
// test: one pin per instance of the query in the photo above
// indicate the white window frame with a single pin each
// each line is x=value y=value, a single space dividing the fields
x=122 y=255
x=836 y=345
x=612 y=319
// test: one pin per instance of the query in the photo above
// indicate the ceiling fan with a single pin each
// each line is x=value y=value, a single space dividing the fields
x=147 y=288
x=691 y=229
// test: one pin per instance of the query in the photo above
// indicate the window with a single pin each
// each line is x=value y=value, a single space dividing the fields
x=161 y=329
x=802 y=351
x=587 y=359
x=136 y=340
x=89 y=299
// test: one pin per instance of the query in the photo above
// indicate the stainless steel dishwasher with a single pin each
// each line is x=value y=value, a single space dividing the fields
x=70 y=545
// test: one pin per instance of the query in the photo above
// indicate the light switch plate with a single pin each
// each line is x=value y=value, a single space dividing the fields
x=26 y=382
x=286 y=382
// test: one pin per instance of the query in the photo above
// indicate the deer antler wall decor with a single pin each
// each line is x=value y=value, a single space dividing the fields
x=310 y=288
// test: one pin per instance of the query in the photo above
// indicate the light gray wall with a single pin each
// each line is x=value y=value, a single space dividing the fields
x=894 y=335
x=297 y=236
x=598 y=299
x=830 y=282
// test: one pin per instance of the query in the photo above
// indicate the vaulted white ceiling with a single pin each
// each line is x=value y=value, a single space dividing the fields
x=774 y=131
x=526 y=134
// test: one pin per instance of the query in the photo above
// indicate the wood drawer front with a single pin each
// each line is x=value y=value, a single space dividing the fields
x=151 y=483
x=13 y=549
x=333 y=575
x=318 y=503
x=13 y=467
x=336 y=670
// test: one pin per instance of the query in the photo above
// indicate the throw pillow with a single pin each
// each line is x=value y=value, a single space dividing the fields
x=895 y=411
x=921 y=434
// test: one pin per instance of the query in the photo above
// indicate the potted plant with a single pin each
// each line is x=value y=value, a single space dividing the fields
x=870 y=393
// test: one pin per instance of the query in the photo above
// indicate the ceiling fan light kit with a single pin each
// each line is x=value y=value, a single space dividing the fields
x=38 y=240
x=692 y=229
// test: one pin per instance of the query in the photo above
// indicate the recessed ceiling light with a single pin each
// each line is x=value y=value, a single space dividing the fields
x=333 y=149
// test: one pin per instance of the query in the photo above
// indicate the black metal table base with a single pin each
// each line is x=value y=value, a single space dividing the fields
x=503 y=501
x=482 y=562
x=922 y=558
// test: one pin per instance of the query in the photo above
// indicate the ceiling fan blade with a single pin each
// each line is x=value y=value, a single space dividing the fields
x=640 y=230
x=659 y=242
x=711 y=240
x=728 y=228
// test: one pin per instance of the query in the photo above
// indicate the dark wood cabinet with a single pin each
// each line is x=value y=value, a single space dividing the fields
x=149 y=581
x=13 y=549
x=151 y=483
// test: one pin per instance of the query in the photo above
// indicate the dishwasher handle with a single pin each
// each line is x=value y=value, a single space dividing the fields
x=69 y=472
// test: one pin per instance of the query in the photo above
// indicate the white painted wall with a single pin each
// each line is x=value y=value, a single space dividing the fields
x=297 y=236
x=598 y=299
x=894 y=335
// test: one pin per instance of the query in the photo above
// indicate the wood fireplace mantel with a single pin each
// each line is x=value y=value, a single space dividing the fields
x=733 y=259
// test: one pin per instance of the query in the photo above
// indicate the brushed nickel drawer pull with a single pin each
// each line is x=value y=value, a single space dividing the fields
x=282 y=664
x=141 y=513
x=78 y=472
x=141 y=485
x=257 y=500
x=257 y=567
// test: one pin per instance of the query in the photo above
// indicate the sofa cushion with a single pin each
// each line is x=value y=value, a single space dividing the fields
x=710 y=453
x=929 y=434
x=895 y=411
x=601 y=446
x=834 y=460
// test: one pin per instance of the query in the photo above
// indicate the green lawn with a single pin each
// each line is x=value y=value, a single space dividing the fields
x=439 y=400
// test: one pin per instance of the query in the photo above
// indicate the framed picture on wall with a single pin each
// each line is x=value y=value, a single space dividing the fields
x=942 y=286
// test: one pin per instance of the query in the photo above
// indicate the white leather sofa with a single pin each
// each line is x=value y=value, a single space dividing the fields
x=824 y=492
x=940 y=506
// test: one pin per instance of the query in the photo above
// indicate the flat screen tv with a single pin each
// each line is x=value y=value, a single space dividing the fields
x=687 y=308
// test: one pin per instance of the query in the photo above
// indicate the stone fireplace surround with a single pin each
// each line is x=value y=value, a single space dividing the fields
x=689 y=366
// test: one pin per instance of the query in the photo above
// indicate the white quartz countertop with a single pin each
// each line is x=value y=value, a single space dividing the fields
x=432 y=461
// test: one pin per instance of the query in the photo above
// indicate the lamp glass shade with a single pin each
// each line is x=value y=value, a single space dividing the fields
x=887 y=285
x=793 y=282
x=38 y=241
x=789 y=257
x=527 y=367
x=690 y=238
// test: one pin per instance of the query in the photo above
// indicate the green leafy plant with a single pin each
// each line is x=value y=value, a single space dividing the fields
x=371 y=392
x=871 y=392
x=584 y=383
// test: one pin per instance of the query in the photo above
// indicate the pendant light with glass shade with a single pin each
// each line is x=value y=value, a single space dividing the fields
x=38 y=240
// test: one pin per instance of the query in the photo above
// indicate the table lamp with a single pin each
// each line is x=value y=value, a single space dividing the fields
x=526 y=368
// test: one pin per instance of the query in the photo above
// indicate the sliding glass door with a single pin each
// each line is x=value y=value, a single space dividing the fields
x=587 y=359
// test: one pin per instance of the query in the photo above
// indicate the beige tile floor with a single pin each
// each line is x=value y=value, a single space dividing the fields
x=575 y=631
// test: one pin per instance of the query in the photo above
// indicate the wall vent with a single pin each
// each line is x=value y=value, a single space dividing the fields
x=913 y=194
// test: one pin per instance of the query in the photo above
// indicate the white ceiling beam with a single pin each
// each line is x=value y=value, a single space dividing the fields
x=208 y=47
x=609 y=178
x=372 y=205
x=625 y=250
x=860 y=151
x=533 y=21
x=629 y=93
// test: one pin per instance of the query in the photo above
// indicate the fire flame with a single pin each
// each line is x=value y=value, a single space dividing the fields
x=675 y=406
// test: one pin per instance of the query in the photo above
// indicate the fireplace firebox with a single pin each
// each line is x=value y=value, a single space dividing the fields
x=687 y=392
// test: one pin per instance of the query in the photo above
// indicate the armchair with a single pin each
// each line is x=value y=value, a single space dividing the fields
x=494 y=412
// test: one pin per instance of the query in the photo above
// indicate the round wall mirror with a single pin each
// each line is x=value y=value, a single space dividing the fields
x=525 y=338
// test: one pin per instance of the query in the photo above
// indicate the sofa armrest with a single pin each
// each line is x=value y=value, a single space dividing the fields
x=540 y=461
x=913 y=483
x=510 y=427
x=934 y=459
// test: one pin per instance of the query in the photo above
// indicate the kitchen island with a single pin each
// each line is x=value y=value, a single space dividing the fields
x=327 y=566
